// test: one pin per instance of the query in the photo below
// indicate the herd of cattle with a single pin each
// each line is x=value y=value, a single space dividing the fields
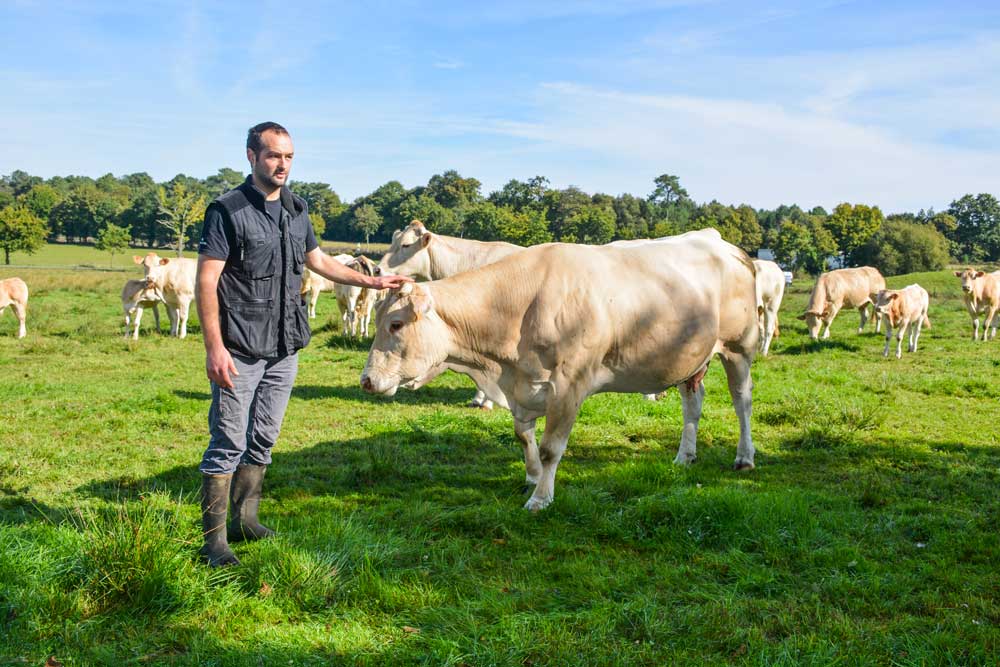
x=539 y=329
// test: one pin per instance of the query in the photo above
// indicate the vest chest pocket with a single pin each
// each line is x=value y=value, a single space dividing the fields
x=259 y=256
x=298 y=252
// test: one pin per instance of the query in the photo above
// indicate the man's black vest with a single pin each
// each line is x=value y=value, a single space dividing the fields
x=261 y=311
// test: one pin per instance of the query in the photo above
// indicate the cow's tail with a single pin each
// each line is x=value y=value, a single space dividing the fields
x=927 y=322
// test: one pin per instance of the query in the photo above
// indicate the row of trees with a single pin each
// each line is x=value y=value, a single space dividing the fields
x=134 y=209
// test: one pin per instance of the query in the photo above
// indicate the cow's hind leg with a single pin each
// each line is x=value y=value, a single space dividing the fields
x=900 y=334
x=559 y=422
x=691 y=402
x=525 y=431
x=737 y=368
x=19 y=313
x=864 y=317
x=989 y=324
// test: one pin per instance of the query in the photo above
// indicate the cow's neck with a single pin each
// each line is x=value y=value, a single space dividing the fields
x=450 y=256
x=483 y=312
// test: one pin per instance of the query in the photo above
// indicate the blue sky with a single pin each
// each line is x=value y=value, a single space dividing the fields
x=809 y=102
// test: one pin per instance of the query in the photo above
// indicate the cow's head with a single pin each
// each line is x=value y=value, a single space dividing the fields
x=410 y=341
x=814 y=320
x=884 y=305
x=969 y=277
x=407 y=255
x=152 y=265
x=362 y=264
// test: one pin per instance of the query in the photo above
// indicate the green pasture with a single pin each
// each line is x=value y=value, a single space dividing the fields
x=867 y=535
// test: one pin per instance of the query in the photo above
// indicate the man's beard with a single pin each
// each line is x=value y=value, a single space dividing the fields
x=270 y=180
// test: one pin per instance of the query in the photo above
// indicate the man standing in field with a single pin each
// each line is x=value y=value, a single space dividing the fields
x=255 y=242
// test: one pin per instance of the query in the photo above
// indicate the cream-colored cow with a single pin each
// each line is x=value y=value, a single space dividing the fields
x=137 y=295
x=423 y=255
x=981 y=294
x=902 y=308
x=553 y=324
x=853 y=288
x=174 y=278
x=313 y=283
x=14 y=293
x=770 y=291
x=356 y=303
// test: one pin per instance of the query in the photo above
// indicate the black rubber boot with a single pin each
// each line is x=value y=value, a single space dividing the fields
x=245 y=498
x=214 y=499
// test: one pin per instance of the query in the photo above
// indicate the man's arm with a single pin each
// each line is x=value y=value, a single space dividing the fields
x=331 y=269
x=218 y=362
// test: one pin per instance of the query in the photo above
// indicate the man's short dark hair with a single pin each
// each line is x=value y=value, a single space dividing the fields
x=254 y=142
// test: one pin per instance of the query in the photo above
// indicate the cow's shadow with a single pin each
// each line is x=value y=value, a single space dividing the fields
x=814 y=346
x=429 y=395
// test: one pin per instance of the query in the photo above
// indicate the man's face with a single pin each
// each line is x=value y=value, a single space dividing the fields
x=272 y=164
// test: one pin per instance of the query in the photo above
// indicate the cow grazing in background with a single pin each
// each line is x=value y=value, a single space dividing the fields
x=981 y=294
x=770 y=291
x=422 y=255
x=356 y=303
x=174 y=278
x=14 y=293
x=136 y=295
x=556 y=323
x=313 y=283
x=853 y=288
x=902 y=308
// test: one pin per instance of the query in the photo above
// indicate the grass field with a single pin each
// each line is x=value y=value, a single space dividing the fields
x=866 y=535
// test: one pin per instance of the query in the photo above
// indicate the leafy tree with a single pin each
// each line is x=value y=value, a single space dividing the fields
x=521 y=195
x=738 y=226
x=435 y=216
x=20 y=182
x=483 y=221
x=321 y=199
x=905 y=247
x=78 y=215
x=804 y=245
x=632 y=217
x=21 y=231
x=852 y=226
x=223 y=181
x=366 y=220
x=528 y=227
x=563 y=205
x=41 y=199
x=668 y=191
x=142 y=214
x=818 y=210
x=452 y=191
x=179 y=211
x=977 y=231
x=113 y=239
x=318 y=224
x=591 y=223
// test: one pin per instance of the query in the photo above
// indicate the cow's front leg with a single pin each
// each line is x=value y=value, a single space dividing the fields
x=691 y=402
x=888 y=339
x=156 y=316
x=559 y=422
x=137 y=318
x=737 y=368
x=900 y=334
x=525 y=431
x=174 y=317
x=829 y=321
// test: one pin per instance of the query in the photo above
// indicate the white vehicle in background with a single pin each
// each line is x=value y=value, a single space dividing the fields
x=788 y=277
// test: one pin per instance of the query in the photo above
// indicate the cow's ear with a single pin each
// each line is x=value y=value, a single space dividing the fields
x=422 y=304
x=399 y=232
x=425 y=239
x=980 y=274
x=138 y=260
x=416 y=224
x=893 y=296
x=163 y=261
x=958 y=274
x=802 y=316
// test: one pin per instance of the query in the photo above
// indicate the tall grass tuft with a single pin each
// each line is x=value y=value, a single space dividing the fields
x=133 y=556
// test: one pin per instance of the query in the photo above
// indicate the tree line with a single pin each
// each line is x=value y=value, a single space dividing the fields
x=134 y=210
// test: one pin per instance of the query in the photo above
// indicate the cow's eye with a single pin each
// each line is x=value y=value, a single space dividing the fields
x=395 y=326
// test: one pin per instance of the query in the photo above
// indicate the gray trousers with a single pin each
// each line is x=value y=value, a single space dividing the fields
x=244 y=422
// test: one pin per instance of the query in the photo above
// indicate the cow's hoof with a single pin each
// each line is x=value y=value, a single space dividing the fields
x=537 y=504
x=743 y=465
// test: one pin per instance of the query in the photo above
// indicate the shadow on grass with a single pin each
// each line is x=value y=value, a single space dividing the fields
x=193 y=395
x=813 y=346
x=424 y=396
